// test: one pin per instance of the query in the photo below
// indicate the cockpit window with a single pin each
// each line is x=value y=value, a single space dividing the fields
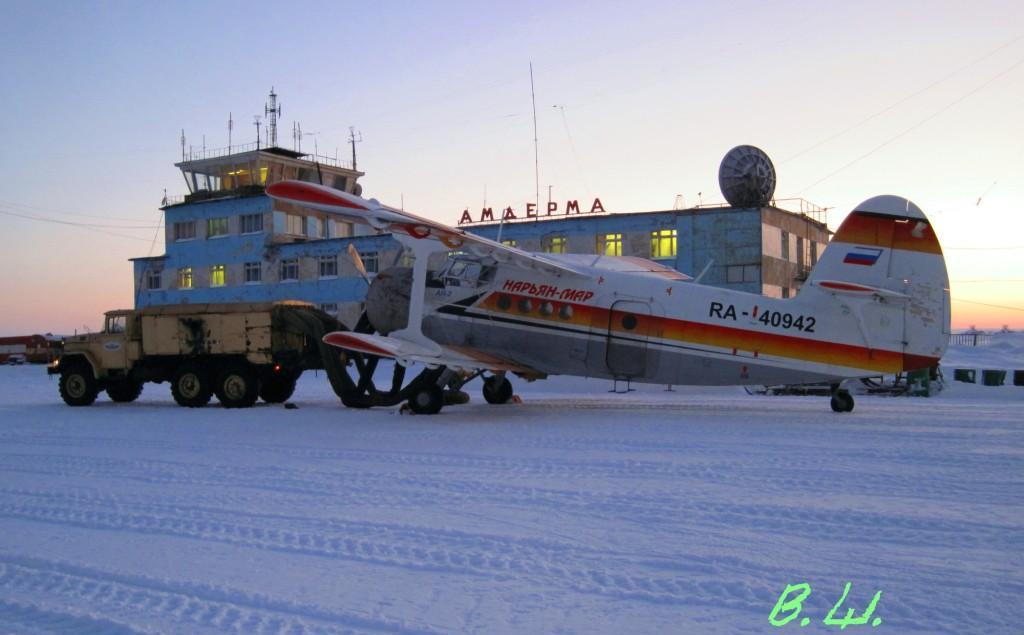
x=463 y=273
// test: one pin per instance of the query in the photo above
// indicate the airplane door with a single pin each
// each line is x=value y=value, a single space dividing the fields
x=629 y=327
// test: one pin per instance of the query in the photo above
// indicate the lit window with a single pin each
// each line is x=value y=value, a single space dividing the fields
x=290 y=269
x=296 y=225
x=154 y=280
x=510 y=243
x=217 y=227
x=252 y=223
x=554 y=244
x=609 y=245
x=371 y=261
x=328 y=266
x=253 y=273
x=663 y=243
x=217 y=277
x=185 y=230
x=185 y=278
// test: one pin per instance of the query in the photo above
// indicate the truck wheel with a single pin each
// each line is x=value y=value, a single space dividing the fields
x=497 y=390
x=124 y=390
x=277 y=389
x=237 y=386
x=427 y=400
x=77 y=385
x=191 y=387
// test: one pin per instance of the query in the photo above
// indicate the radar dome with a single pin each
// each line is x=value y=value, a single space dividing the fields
x=747 y=177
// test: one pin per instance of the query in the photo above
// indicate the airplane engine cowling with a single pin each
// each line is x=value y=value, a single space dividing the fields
x=387 y=299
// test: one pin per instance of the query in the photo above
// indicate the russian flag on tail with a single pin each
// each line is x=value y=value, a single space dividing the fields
x=862 y=256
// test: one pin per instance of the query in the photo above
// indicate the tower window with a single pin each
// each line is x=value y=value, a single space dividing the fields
x=217 y=227
x=185 y=278
x=290 y=269
x=252 y=223
x=253 y=273
x=185 y=230
x=328 y=266
x=217 y=276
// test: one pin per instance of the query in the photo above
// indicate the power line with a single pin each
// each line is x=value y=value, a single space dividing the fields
x=914 y=127
x=25 y=206
x=75 y=224
x=994 y=306
x=78 y=225
x=902 y=101
x=944 y=248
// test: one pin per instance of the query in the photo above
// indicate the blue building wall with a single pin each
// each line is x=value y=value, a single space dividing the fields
x=728 y=237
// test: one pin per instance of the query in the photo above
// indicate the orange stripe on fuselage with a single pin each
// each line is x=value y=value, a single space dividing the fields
x=698 y=333
x=884 y=231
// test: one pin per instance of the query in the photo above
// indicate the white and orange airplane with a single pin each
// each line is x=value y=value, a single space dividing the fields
x=877 y=302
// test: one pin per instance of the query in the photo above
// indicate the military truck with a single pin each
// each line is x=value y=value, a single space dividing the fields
x=238 y=352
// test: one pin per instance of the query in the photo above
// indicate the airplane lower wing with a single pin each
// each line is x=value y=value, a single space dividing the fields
x=404 y=352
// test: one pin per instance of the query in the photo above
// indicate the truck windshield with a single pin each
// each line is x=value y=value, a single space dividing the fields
x=116 y=323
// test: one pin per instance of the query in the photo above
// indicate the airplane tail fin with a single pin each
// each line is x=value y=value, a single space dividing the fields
x=886 y=253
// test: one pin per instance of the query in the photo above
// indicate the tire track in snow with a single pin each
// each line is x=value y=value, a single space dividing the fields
x=174 y=606
x=497 y=558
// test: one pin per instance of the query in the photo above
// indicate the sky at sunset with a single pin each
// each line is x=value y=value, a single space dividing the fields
x=636 y=103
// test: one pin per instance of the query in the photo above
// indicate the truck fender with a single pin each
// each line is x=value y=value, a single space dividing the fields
x=70 y=358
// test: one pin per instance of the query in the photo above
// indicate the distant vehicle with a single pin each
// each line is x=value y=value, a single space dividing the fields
x=237 y=352
x=16 y=359
x=877 y=302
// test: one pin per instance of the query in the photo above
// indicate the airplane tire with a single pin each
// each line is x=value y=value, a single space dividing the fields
x=842 y=402
x=427 y=400
x=124 y=390
x=190 y=387
x=77 y=385
x=497 y=390
x=237 y=386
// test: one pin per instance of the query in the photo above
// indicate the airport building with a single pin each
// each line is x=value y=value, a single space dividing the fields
x=227 y=241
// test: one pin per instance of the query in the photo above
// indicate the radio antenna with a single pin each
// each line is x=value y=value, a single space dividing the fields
x=536 y=154
x=272 y=111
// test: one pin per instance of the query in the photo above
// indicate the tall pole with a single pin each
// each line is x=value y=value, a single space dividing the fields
x=231 y=125
x=536 y=154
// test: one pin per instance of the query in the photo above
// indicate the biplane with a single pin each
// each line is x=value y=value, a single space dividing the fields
x=877 y=302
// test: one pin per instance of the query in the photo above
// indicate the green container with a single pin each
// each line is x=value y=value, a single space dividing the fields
x=1018 y=378
x=919 y=382
x=993 y=377
x=966 y=375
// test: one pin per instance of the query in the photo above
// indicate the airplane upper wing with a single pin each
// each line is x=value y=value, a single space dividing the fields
x=370 y=212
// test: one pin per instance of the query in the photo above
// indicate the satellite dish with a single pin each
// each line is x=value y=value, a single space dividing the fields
x=357 y=189
x=747 y=177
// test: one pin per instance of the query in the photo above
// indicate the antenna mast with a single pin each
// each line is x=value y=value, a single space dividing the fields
x=256 y=122
x=272 y=111
x=231 y=125
x=182 y=144
x=536 y=155
x=353 y=140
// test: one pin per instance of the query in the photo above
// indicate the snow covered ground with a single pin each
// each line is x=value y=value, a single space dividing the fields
x=578 y=511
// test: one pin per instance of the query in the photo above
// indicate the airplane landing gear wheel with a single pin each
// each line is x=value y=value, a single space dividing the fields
x=427 y=400
x=842 y=401
x=497 y=390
